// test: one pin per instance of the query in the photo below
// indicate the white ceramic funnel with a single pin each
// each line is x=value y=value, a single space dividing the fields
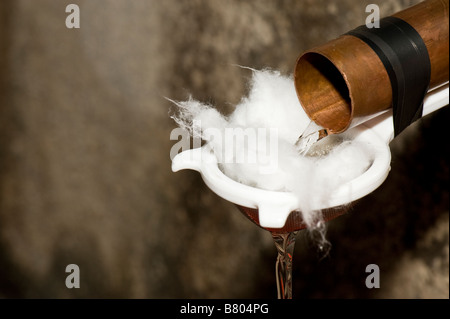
x=274 y=207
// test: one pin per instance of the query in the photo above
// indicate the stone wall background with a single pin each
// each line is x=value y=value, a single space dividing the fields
x=85 y=170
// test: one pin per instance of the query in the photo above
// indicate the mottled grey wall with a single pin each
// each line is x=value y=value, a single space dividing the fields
x=85 y=170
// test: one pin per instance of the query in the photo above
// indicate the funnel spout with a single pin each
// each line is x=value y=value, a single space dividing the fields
x=189 y=159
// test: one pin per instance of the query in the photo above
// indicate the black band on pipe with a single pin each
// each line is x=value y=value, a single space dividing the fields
x=404 y=55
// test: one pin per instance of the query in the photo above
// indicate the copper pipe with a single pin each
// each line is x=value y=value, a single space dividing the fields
x=345 y=78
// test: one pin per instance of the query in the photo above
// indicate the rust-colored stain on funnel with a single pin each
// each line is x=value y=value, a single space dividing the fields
x=345 y=78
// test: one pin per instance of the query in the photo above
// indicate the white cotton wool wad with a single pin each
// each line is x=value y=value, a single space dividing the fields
x=272 y=103
x=272 y=106
x=195 y=117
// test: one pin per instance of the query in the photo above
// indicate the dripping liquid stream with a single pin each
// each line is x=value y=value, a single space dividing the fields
x=284 y=242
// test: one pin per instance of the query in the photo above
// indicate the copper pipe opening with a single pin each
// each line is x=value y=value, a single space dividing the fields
x=344 y=78
x=322 y=87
